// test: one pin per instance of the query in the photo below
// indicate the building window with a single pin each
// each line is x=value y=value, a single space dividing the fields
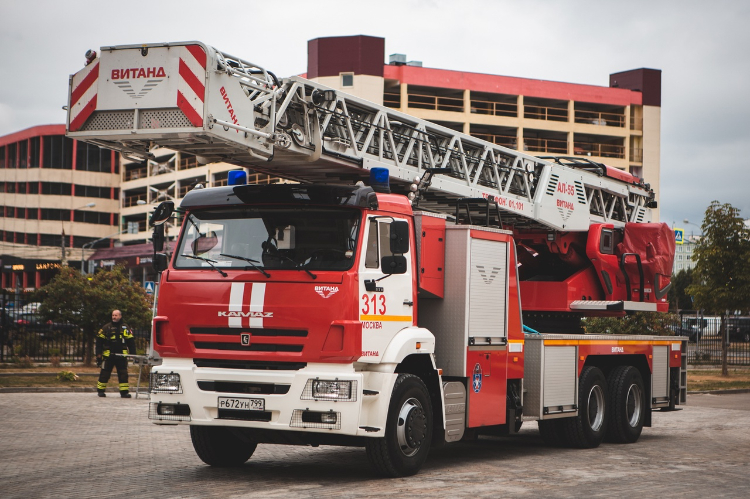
x=347 y=79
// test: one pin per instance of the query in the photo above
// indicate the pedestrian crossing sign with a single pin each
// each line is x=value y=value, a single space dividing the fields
x=149 y=285
x=679 y=236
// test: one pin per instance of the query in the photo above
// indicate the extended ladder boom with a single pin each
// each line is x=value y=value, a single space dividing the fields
x=193 y=98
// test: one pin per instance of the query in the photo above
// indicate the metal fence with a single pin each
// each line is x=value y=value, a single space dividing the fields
x=704 y=335
x=26 y=336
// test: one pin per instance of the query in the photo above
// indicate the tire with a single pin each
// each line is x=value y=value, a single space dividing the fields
x=408 y=431
x=588 y=428
x=219 y=446
x=552 y=432
x=627 y=405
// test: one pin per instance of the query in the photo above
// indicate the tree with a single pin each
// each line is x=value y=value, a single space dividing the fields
x=721 y=279
x=74 y=298
x=655 y=323
x=679 y=299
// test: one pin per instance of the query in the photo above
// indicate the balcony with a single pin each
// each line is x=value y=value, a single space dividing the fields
x=436 y=99
x=129 y=201
x=552 y=146
x=391 y=99
x=545 y=109
x=135 y=173
x=494 y=104
x=598 y=149
x=600 y=118
x=636 y=155
x=188 y=163
x=509 y=141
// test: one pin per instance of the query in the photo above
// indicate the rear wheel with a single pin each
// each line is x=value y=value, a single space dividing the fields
x=408 y=431
x=627 y=405
x=219 y=446
x=587 y=430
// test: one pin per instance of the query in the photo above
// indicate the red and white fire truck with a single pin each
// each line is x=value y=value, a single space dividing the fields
x=415 y=286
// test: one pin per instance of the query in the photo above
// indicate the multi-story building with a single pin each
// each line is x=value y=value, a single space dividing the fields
x=58 y=195
x=683 y=257
x=618 y=125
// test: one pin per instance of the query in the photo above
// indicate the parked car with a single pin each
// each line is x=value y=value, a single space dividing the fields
x=34 y=320
x=693 y=332
x=738 y=329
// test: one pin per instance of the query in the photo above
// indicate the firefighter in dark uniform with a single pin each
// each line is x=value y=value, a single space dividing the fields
x=113 y=340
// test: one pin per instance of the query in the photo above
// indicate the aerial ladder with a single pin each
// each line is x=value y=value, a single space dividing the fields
x=585 y=239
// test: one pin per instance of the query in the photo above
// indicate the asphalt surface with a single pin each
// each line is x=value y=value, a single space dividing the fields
x=79 y=445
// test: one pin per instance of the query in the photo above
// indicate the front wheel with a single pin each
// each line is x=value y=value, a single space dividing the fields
x=587 y=430
x=219 y=446
x=408 y=430
x=627 y=405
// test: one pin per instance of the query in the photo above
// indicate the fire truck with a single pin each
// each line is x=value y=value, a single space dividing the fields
x=413 y=287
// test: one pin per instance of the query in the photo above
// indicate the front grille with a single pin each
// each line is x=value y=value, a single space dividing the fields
x=257 y=347
x=242 y=387
x=244 y=415
x=260 y=339
x=235 y=331
x=249 y=364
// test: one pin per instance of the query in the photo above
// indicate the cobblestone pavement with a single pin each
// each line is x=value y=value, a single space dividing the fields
x=78 y=445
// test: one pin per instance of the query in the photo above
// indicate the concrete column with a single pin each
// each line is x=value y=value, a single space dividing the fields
x=519 y=130
x=404 y=97
x=467 y=111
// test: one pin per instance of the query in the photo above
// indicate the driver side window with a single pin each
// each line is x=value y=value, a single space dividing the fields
x=378 y=230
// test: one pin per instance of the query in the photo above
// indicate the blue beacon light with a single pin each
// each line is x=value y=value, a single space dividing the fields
x=380 y=180
x=237 y=177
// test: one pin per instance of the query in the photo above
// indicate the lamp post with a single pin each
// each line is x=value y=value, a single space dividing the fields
x=63 y=258
x=686 y=221
x=92 y=243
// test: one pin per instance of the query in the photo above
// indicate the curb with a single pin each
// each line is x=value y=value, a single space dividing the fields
x=61 y=389
x=721 y=392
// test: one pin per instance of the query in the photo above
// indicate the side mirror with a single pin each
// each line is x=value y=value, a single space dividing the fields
x=158 y=238
x=162 y=213
x=160 y=262
x=395 y=264
x=399 y=237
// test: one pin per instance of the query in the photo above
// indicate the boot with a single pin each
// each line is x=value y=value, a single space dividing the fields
x=101 y=393
x=125 y=394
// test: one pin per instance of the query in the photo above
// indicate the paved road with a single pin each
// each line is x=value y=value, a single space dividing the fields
x=77 y=445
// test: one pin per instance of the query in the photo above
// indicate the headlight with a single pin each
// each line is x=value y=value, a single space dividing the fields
x=165 y=383
x=325 y=389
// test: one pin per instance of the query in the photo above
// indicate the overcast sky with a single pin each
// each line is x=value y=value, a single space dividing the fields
x=701 y=47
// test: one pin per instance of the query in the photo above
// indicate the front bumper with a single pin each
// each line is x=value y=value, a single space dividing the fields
x=287 y=402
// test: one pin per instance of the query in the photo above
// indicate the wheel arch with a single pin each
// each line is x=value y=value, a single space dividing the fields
x=423 y=366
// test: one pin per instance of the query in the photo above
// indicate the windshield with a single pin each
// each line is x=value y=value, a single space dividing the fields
x=269 y=238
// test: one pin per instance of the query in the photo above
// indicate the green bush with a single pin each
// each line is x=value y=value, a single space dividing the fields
x=67 y=376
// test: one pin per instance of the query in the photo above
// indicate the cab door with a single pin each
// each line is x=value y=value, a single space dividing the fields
x=385 y=294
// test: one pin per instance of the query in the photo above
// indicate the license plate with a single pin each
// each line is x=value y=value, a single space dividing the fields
x=242 y=404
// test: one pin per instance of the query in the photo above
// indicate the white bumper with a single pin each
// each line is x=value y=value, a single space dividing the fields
x=364 y=416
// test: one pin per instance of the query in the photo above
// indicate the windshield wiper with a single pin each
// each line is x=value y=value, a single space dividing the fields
x=250 y=261
x=209 y=261
x=297 y=266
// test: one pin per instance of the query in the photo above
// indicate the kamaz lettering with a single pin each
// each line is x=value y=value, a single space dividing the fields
x=124 y=74
x=246 y=314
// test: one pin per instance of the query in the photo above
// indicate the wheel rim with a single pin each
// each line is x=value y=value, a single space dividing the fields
x=412 y=427
x=596 y=407
x=633 y=405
